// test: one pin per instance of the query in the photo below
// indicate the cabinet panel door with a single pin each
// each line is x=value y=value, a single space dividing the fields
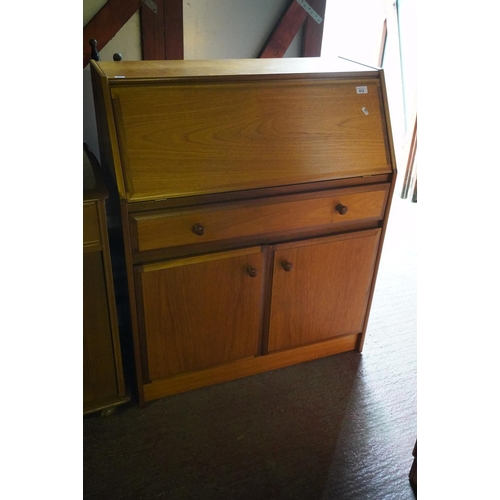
x=99 y=372
x=321 y=288
x=201 y=311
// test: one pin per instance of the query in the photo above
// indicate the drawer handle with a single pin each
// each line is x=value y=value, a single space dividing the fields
x=252 y=271
x=341 y=209
x=287 y=266
x=198 y=229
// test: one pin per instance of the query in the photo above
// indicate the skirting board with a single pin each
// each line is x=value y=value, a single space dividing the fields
x=248 y=366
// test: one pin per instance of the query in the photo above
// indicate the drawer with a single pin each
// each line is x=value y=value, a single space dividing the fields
x=91 y=231
x=171 y=228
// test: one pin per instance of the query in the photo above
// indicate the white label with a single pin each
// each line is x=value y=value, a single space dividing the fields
x=365 y=111
x=362 y=90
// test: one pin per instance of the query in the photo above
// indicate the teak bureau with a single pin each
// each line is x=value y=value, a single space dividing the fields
x=254 y=199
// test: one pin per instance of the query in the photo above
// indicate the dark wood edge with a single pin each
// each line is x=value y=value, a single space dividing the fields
x=105 y=404
x=385 y=115
x=108 y=142
x=270 y=200
x=354 y=77
x=268 y=290
x=111 y=300
x=263 y=297
x=129 y=264
x=143 y=350
x=255 y=240
x=390 y=194
x=253 y=194
x=248 y=366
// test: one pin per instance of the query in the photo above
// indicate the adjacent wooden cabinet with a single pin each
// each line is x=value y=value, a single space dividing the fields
x=103 y=380
x=254 y=200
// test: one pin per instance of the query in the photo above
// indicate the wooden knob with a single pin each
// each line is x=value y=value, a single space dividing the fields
x=198 y=229
x=287 y=266
x=252 y=271
x=341 y=209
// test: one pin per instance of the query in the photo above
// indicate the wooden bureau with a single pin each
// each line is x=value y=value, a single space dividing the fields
x=254 y=200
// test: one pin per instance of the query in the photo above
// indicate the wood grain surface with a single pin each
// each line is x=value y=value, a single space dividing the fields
x=325 y=294
x=182 y=140
x=172 y=228
x=201 y=312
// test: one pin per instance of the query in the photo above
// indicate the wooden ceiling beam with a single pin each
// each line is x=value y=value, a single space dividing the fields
x=162 y=32
x=174 y=29
x=312 y=37
x=284 y=31
x=153 y=33
x=106 y=24
x=163 y=35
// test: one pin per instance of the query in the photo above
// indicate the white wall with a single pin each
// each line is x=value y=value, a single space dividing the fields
x=353 y=29
x=231 y=29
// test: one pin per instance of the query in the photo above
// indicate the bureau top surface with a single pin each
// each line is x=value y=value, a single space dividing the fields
x=119 y=72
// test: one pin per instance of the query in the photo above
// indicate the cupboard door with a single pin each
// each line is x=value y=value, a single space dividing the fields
x=201 y=311
x=321 y=288
x=99 y=371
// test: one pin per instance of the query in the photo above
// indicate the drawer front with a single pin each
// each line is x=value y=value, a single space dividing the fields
x=91 y=232
x=171 y=228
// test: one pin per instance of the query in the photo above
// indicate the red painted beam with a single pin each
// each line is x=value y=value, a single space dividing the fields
x=285 y=30
x=174 y=29
x=312 y=37
x=106 y=24
x=153 y=33
x=163 y=33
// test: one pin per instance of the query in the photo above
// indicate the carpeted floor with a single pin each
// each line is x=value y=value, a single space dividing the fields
x=341 y=427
